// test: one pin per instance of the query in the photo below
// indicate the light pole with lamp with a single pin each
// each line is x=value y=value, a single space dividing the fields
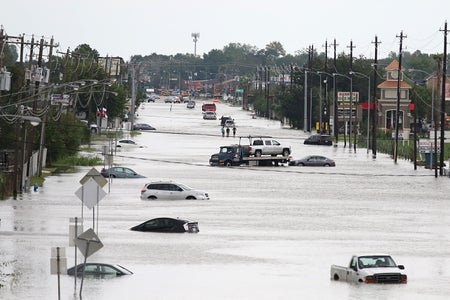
x=368 y=106
x=433 y=77
x=351 y=106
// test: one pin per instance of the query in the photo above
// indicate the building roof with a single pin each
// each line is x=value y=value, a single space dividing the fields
x=394 y=66
x=393 y=85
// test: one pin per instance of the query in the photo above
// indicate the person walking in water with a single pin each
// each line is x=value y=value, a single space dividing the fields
x=223 y=131
x=228 y=131
x=234 y=131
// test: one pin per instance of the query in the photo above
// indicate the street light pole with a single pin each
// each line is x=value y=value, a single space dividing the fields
x=351 y=107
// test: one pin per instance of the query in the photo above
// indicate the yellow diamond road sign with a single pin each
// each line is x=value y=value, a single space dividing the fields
x=96 y=175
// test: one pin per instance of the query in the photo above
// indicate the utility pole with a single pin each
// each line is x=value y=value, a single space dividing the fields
x=305 y=100
x=311 y=57
x=335 y=120
x=375 y=103
x=399 y=79
x=444 y=83
x=351 y=100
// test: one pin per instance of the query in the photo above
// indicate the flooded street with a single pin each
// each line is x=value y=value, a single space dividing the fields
x=265 y=233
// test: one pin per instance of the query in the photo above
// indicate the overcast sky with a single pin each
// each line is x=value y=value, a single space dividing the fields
x=129 y=27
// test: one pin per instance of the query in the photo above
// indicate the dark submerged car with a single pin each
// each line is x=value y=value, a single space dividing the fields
x=143 y=126
x=99 y=270
x=319 y=139
x=167 y=225
x=120 y=172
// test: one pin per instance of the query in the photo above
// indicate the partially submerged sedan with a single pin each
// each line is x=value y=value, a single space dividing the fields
x=167 y=225
x=313 y=161
x=120 y=172
x=99 y=270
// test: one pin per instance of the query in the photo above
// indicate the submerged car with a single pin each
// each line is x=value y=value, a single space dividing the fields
x=167 y=225
x=313 y=161
x=120 y=172
x=319 y=139
x=126 y=143
x=209 y=115
x=143 y=126
x=169 y=190
x=100 y=270
x=191 y=104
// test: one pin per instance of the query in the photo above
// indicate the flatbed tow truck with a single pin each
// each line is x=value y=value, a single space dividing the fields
x=239 y=154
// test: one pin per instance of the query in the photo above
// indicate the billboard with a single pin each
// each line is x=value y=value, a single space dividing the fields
x=111 y=65
x=345 y=97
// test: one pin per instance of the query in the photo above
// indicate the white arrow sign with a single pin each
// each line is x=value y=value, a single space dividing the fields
x=90 y=193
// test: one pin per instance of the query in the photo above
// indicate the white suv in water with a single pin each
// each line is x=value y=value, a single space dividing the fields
x=169 y=190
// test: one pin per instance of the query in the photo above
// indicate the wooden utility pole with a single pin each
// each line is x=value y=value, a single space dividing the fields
x=375 y=102
x=399 y=80
x=351 y=101
x=335 y=104
x=444 y=83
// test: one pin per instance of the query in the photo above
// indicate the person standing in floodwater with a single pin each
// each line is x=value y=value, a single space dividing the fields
x=234 y=131
x=223 y=131
x=228 y=131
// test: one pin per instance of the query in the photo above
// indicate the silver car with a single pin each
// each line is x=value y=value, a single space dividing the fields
x=169 y=190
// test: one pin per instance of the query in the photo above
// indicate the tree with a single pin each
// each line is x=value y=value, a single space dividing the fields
x=274 y=50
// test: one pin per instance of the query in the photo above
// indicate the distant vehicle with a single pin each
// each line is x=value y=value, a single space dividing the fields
x=313 y=161
x=143 y=126
x=223 y=119
x=236 y=155
x=99 y=270
x=120 y=172
x=370 y=269
x=209 y=107
x=167 y=225
x=125 y=143
x=191 y=104
x=319 y=139
x=209 y=115
x=172 y=99
x=229 y=123
x=169 y=190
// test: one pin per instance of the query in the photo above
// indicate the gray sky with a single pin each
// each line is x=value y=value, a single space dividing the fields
x=128 y=27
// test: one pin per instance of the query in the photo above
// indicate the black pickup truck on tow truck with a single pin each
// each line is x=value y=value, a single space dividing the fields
x=238 y=154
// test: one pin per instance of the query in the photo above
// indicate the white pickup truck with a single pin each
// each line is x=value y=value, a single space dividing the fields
x=379 y=268
x=267 y=146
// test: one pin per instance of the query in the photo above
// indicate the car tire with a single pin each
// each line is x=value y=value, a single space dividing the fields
x=191 y=198
x=258 y=153
x=227 y=163
x=301 y=164
x=286 y=152
x=326 y=165
x=152 y=197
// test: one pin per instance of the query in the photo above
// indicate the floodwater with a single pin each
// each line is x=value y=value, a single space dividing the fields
x=266 y=233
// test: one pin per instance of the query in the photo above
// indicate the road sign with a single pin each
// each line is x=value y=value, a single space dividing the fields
x=239 y=90
x=88 y=243
x=96 y=175
x=90 y=193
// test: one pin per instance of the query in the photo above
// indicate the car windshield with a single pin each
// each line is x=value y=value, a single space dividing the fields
x=184 y=187
x=377 y=261
x=123 y=269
